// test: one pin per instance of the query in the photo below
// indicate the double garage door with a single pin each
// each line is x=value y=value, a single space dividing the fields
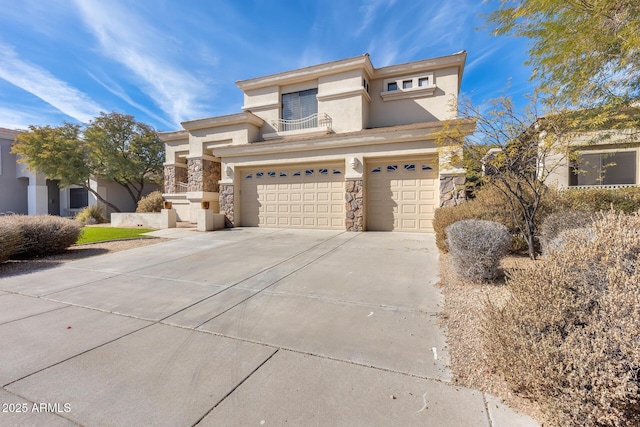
x=400 y=196
x=304 y=197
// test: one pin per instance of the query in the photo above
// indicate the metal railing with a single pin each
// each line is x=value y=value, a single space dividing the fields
x=315 y=120
x=182 y=187
x=607 y=187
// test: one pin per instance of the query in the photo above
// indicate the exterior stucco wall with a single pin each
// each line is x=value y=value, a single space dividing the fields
x=560 y=170
x=13 y=190
x=415 y=110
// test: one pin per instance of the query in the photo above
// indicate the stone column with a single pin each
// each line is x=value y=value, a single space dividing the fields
x=452 y=190
x=211 y=174
x=203 y=175
x=170 y=179
x=354 y=207
x=194 y=171
x=226 y=204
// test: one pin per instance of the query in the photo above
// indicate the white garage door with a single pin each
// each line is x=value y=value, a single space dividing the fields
x=310 y=196
x=401 y=195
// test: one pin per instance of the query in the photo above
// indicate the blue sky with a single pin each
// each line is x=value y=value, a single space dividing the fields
x=165 y=61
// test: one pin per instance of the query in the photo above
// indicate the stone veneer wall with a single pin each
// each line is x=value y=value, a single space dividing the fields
x=226 y=204
x=173 y=175
x=203 y=175
x=452 y=190
x=170 y=179
x=354 y=207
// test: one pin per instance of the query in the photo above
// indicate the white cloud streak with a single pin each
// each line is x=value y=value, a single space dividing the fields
x=118 y=91
x=131 y=41
x=46 y=86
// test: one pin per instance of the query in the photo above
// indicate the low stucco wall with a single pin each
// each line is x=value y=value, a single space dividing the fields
x=132 y=219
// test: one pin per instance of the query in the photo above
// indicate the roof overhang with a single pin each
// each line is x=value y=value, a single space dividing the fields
x=232 y=119
x=406 y=133
x=361 y=62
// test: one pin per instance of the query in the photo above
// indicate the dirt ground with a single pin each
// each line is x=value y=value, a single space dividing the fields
x=75 y=252
x=462 y=318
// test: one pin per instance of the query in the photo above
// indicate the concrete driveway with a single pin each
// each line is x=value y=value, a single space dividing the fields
x=236 y=327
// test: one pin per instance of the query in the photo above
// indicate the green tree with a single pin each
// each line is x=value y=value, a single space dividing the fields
x=124 y=151
x=584 y=52
x=114 y=147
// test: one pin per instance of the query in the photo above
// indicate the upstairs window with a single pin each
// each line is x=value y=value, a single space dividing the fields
x=298 y=105
x=415 y=86
x=604 y=169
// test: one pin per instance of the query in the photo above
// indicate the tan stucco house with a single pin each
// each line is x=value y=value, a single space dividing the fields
x=340 y=145
x=606 y=159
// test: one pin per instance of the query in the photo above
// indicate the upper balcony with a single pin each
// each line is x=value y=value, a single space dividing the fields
x=319 y=123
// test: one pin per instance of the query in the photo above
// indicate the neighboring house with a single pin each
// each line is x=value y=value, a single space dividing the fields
x=340 y=145
x=24 y=192
x=608 y=159
x=13 y=186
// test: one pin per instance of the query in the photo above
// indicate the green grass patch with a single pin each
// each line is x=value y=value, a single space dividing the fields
x=102 y=234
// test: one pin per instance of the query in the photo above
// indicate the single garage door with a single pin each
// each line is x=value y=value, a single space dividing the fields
x=309 y=196
x=401 y=195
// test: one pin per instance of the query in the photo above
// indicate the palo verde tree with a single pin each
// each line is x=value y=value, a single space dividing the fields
x=584 y=53
x=114 y=147
x=517 y=151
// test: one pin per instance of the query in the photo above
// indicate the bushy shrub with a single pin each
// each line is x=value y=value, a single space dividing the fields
x=568 y=336
x=92 y=215
x=43 y=234
x=559 y=222
x=9 y=240
x=476 y=248
x=152 y=202
x=488 y=204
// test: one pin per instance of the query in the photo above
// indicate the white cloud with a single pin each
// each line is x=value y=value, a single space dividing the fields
x=128 y=39
x=369 y=9
x=117 y=90
x=45 y=86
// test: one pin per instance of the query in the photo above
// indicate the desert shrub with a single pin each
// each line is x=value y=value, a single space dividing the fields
x=488 y=204
x=9 y=240
x=152 y=202
x=476 y=248
x=91 y=215
x=568 y=336
x=626 y=200
x=560 y=221
x=43 y=234
x=571 y=235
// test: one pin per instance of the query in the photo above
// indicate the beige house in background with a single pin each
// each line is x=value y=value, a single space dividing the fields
x=23 y=191
x=608 y=159
x=340 y=145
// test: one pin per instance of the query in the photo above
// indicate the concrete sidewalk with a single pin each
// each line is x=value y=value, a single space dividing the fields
x=237 y=327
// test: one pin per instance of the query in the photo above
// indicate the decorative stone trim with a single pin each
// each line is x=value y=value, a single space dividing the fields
x=226 y=204
x=354 y=206
x=452 y=190
x=203 y=175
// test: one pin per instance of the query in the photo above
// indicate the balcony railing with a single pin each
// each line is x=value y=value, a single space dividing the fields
x=182 y=187
x=313 y=121
x=606 y=187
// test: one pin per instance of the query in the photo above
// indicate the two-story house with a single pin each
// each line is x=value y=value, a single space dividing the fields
x=340 y=145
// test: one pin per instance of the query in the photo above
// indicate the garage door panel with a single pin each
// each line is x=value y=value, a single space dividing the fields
x=293 y=197
x=401 y=195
